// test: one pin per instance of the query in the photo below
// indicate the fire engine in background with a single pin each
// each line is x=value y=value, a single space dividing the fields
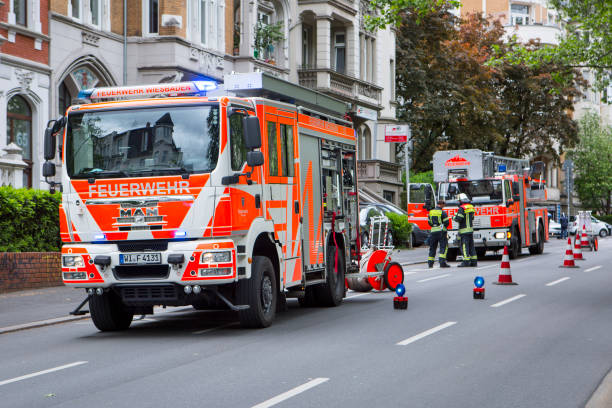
x=504 y=191
x=217 y=202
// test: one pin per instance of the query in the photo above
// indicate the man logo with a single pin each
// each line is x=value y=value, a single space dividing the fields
x=138 y=215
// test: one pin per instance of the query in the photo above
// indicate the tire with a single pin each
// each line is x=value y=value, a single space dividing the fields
x=538 y=248
x=359 y=284
x=481 y=252
x=451 y=255
x=331 y=292
x=603 y=233
x=394 y=275
x=109 y=313
x=260 y=293
x=515 y=245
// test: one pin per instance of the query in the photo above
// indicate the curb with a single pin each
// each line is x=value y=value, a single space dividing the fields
x=602 y=397
x=40 y=323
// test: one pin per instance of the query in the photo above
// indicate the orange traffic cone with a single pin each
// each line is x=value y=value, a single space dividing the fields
x=577 y=249
x=505 y=277
x=568 y=260
x=584 y=241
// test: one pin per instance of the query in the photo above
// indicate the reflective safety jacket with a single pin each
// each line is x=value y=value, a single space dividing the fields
x=465 y=218
x=437 y=219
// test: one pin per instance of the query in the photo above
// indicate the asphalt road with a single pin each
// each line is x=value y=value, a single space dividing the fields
x=542 y=343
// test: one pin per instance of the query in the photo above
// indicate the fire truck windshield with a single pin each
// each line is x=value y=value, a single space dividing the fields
x=479 y=191
x=142 y=142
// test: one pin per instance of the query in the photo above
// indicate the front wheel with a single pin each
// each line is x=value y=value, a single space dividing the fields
x=538 y=248
x=109 y=313
x=603 y=233
x=515 y=245
x=260 y=293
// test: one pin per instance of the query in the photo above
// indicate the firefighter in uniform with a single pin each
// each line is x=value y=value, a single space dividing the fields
x=438 y=220
x=465 y=218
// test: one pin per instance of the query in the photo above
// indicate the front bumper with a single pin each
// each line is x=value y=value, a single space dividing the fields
x=482 y=238
x=191 y=272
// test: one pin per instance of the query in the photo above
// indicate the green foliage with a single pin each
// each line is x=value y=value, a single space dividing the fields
x=593 y=163
x=453 y=99
x=29 y=220
x=400 y=227
x=423 y=177
x=389 y=12
x=267 y=35
x=605 y=218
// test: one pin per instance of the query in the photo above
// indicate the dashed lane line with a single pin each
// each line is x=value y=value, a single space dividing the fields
x=36 y=374
x=433 y=278
x=512 y=299
x=593 y=268
x=291 y=393
x=426 y=333
x=557 y=281
x=486 y=267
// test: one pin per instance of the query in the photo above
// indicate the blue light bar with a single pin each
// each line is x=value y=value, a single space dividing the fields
x=180 y=234
x=501 y=168
x=85 y=93
x=205 y=85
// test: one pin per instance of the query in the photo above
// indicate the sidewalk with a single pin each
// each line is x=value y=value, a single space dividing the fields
x=37 y=305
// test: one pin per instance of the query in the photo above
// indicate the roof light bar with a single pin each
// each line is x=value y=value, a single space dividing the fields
x=175 y=89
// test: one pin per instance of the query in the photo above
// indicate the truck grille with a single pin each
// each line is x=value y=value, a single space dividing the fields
x=141 y=271
x=141 y=246
x=133 y=294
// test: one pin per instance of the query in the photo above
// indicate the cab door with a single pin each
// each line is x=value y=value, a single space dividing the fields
x=421 y=199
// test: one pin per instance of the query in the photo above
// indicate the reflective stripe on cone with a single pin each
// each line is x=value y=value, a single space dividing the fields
x=568 y=260
x=505 y=277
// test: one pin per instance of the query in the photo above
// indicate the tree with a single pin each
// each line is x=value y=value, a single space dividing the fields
x=593 y=163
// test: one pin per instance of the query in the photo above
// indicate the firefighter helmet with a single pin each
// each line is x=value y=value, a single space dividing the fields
x=463 y=198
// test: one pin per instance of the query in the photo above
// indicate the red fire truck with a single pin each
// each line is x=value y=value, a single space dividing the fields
x=505 y=192
x=220 y=202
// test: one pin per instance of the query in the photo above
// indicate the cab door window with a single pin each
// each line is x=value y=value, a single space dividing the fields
x=238 y=151
x=286 y=141
x=272 y=149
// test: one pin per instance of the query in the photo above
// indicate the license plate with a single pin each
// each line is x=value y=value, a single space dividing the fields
x=142 y=258
x=476 y=235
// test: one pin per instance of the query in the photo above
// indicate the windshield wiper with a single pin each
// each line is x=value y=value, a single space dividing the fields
x=180 y=170
x=98 y=173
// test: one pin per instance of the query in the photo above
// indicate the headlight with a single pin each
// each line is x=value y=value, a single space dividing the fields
x=500 y=235
x=73 y=261
x=216 y=257
x=215 y=271
x=74 y=275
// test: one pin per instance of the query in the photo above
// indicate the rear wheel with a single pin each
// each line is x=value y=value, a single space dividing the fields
x=538 y=248
x=331 y=292
x=109 y=313
x=260 y=293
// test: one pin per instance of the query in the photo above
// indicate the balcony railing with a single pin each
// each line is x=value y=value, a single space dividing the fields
x=380 y=171
x=340 y=85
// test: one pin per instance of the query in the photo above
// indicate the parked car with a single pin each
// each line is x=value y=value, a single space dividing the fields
x=554 y=229
x=418 y=236
x=599 y=227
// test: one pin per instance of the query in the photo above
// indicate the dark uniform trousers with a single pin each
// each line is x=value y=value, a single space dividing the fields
x=435 y=238
x=468 y=250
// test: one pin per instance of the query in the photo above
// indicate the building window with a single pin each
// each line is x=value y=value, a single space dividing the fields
x=340 y=52
x=153 y=16
x=94 y=7
x=389 y=195
x=75 y=9
x=392 y=79
x=19 y=131
x=520 y=14
x=203 y=24
x=263 y=17
x=306 y=47
x=20 y=8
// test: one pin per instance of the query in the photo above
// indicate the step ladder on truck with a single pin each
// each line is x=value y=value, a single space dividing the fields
x=508 y=195
x=174 y=196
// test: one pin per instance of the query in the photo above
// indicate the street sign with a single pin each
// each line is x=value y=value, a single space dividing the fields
x=366 y=113
x=396 y=133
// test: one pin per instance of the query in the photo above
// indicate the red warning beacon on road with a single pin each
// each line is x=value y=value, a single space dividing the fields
x=479 y=290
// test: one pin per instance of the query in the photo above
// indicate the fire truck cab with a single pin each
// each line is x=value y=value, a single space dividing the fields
x=220 y=202
x=504 y=191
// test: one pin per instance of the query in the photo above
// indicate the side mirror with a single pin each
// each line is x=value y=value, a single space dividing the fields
x=252 y=132
x=516 y=197
x=255 y=159
x=49 y=144
x=48 y=169
x=509 y=202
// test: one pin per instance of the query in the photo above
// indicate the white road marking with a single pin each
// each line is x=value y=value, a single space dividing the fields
x=486 y=267
x=512 y=299
x=36 y=374
x=291 y=393
x=354 y=296
x=41 y=323
x=426 y=333
x=409 y=273
x=523 y=260
x=434 y=277
x=557 y=281
x=211 y=329
x=593 y=268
